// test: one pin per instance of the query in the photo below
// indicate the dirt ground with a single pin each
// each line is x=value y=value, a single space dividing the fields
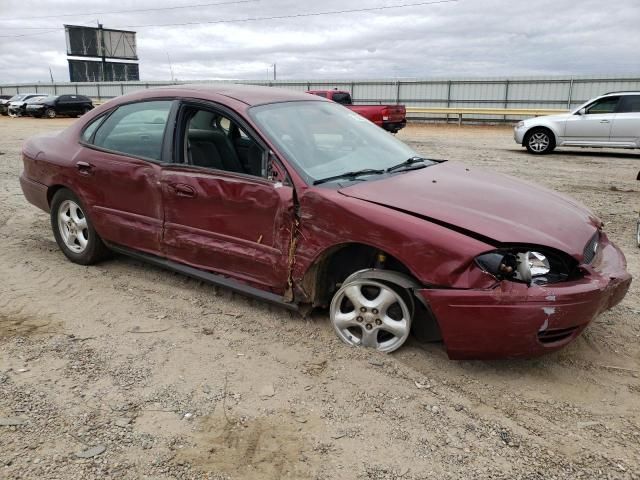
x=154 y=375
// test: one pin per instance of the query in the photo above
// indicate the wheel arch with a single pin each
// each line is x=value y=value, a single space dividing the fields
x=337 y=262
x=351 y=260
x=53 y=189
x=553 y=133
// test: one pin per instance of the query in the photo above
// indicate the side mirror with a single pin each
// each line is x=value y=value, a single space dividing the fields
x=582 y=111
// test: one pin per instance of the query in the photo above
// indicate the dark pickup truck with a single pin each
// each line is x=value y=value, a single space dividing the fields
x=390 y=117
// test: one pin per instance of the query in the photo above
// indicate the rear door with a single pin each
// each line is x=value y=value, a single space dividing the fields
x=595 y=125
x=119 y=170
x=63 y=105
x=73 y=105
x=219 y=216
x=626 y=125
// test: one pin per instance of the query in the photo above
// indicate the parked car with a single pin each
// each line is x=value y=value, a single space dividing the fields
x=17 y=108
x=55 y=105
x=392 y=118
x=611 y=120
x=19 y=98
x=298 y=201
x=3 y=102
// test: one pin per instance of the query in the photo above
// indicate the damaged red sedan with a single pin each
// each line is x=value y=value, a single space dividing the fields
x=298 y=201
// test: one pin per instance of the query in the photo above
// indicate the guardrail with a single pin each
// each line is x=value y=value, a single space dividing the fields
x=523 y=112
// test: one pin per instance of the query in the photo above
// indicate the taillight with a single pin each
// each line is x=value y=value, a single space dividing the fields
x=385 y=113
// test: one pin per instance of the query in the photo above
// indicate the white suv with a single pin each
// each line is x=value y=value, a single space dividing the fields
x=611 y=120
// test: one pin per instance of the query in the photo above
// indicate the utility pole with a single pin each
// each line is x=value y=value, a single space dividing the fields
x=274 y=71
x=170 y=66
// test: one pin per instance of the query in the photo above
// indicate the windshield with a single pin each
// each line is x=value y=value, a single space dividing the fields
x=323 y=139
x=37 y=99
x=15 y=98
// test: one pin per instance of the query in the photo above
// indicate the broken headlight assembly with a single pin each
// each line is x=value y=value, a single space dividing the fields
x=534 y=266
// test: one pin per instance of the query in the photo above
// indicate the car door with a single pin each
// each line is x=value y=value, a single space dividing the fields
x=72 y=105
x=118 y=172
x=219 y=217
x=62 y=105
x=594 y=125
x=626 y=125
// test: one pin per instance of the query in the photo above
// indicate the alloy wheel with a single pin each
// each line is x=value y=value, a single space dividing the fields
x=539 y=142
x=370 y=314
x=73 y=227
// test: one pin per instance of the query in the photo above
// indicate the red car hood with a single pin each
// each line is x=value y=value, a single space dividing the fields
x=500 y=208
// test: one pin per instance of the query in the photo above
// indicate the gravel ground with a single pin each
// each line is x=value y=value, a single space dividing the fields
x=123 y=370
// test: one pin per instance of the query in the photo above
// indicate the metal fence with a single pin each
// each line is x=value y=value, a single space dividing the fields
x=515 y=92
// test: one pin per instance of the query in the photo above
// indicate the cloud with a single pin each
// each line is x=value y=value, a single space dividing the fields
x=466 y=38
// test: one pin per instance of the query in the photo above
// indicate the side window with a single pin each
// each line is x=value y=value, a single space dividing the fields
x=136 y=129
x=217 y=142
x=604 y=105
x=91 y=128
x=63 y=99
x=629 y=104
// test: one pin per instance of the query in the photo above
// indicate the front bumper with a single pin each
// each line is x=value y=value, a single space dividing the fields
x=514 y=320
x=518 y=134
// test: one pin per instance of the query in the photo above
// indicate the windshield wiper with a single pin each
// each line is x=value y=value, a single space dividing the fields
x=365 y=171
x=406 y=163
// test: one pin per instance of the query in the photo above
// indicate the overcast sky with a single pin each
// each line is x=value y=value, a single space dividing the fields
x=463 y=38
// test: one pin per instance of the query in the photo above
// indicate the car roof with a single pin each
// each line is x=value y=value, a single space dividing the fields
x=248 y=94
x=623 y=92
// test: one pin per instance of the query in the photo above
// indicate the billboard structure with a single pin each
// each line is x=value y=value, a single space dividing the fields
x=96 y=71
x=101 y=44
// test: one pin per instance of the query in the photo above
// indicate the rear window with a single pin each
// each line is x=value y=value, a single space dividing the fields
x=343 y=98
x=629 y=103
x=135 y=129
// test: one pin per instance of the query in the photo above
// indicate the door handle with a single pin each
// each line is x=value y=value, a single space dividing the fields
x=182 y=190
x=84 y=168
x=604 y=121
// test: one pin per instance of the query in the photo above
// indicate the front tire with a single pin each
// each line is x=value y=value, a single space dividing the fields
x=50 y=113
x=540 y=141
x=73 y=230
x=369 y=313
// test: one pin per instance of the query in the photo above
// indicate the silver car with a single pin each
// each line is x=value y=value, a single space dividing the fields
x=611 y=120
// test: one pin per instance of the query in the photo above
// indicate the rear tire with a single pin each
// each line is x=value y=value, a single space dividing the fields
x=540 y=141
x=73 y=230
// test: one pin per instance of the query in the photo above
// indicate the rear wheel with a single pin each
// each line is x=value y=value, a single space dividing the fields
x=369 y=313
x=540 y=141
x=73 y=230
